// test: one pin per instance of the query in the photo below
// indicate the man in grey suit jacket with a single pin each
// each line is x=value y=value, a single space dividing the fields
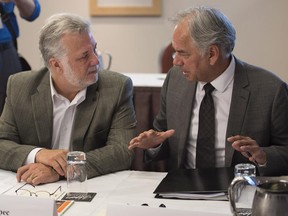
x=251 y=104
x=70 y=105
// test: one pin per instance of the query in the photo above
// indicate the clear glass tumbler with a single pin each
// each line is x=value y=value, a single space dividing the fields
x=76 y=173
x=245 y=169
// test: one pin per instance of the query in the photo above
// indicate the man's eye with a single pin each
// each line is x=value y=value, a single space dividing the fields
x=84 y=56
x=184 y=54
x=181 y=54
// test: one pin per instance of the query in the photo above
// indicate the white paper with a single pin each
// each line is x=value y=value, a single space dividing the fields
x=8 y=180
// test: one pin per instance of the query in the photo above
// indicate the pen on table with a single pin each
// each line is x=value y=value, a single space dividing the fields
x=249 y=155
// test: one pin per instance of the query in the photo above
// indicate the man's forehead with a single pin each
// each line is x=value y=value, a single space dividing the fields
x=78 y=38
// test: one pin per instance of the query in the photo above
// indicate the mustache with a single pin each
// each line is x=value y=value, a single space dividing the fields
x=93 y=69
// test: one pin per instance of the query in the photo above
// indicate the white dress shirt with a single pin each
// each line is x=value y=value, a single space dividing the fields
x=63 y=118
x=63 y=121
x=222 y=99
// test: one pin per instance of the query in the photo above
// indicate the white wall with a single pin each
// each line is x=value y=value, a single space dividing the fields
x=135 y=42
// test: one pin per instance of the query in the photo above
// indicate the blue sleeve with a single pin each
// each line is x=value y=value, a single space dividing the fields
x=35 y=13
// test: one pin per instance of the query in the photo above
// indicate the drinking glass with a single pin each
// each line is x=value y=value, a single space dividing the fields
x=245 y=169
x=76 y=173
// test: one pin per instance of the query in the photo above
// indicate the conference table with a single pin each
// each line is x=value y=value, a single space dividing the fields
x=127 y=190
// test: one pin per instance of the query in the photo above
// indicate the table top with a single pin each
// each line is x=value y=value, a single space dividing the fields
x=147 y=79
x=128 y=188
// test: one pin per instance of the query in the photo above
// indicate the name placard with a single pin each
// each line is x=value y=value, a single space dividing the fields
x=22 y=205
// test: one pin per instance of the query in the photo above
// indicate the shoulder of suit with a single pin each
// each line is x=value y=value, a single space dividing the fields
x=30 y=80
x=256 y=72
x=33 y=74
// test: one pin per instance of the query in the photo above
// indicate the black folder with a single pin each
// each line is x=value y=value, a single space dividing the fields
x=208 y=183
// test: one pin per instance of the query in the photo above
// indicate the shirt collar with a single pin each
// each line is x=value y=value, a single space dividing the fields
x=80 y=97
x=222 y=82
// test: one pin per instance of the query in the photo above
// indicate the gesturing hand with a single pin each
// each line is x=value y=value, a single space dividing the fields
x=249 y=148
x=53 y=158
x=150 y=139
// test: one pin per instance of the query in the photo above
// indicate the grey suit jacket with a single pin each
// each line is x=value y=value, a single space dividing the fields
x=259 y=109
x=104 y=123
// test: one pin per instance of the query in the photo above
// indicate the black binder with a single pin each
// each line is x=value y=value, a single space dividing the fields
x=208 y=183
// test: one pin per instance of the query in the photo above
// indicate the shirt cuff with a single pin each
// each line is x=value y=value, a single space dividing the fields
x=31 y=156
x=262 y=165
x=152 y=152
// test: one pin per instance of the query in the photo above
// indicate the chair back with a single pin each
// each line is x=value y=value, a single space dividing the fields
x=166 y=58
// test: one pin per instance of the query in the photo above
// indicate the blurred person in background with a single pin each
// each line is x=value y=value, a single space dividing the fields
x=9 y=32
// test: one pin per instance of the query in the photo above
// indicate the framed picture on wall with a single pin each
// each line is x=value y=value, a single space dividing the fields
x=125 y=7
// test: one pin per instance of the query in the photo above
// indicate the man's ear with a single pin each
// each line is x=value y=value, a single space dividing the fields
x=214 y=53
x=55 y=65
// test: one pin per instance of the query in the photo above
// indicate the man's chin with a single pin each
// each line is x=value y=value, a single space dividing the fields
x=93 y=75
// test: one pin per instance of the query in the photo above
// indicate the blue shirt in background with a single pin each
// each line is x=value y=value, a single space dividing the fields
x=5 y=35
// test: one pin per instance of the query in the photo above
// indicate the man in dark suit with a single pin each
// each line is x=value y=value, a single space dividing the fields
x=251 y=104
x=70 y=105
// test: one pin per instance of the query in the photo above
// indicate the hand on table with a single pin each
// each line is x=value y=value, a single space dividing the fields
x=150 y=139
x=249 y=148
x=53 y=158
x=37 y=173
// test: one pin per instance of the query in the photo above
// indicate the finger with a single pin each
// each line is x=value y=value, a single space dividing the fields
x=29 y=179
x=57 y=167
x=59 y=164
x=134 y=145
x=37 y=180
x=234 y=138
x=26 y=176
x=148 y=134
x=242 y=145
x=145 y=135
x=168 y=133
x=151 y=131
x=133 y=141
x=249 y=146
x=21 y=173
x=131 y=146
x=63 y=163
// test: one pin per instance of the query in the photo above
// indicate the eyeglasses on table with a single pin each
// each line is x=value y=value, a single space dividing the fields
x=21 y=191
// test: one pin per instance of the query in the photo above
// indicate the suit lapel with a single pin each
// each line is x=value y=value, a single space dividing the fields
x=239 y=102
x=84 y=115
x=42 y=109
